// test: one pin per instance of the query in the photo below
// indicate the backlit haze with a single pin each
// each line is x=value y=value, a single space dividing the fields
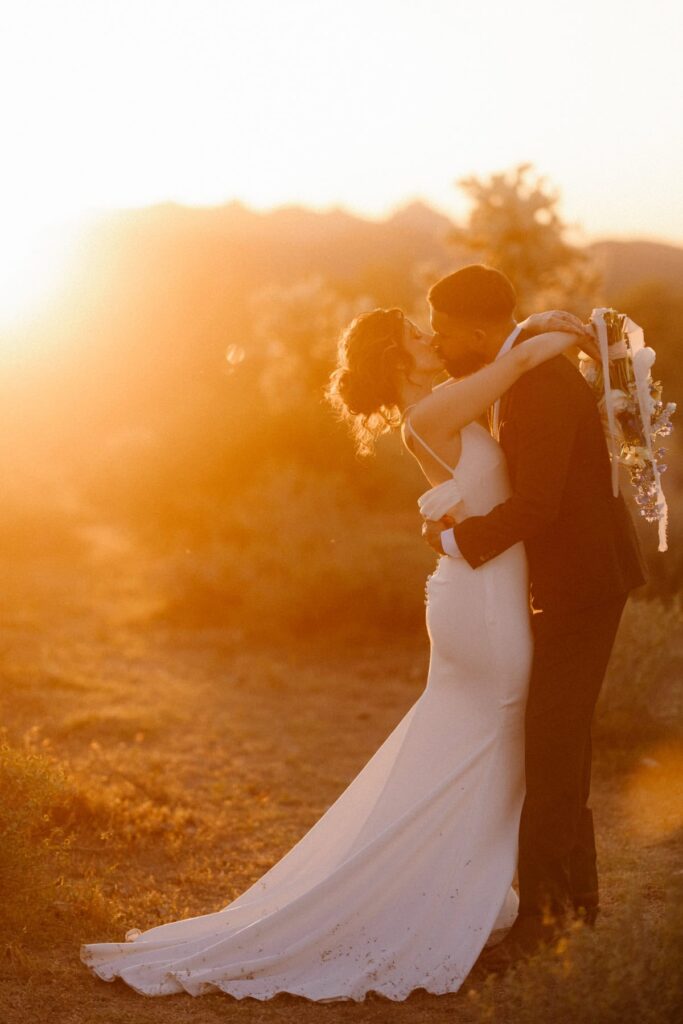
x=364 y=105
x=212 y=608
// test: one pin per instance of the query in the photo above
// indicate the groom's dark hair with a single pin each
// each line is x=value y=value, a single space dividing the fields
x=475 y=291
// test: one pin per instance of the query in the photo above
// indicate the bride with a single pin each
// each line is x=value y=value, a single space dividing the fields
x=407 y=876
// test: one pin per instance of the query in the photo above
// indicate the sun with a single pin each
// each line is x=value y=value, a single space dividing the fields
x=35 y=260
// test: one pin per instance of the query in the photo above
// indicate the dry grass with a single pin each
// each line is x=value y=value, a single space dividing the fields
x=304 y=543
x=153 y=771
x=625 y=971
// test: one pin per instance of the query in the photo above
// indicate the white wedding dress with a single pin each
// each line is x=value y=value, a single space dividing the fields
x=408 y=874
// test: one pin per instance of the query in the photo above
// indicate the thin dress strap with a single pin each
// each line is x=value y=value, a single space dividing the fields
x=424 y=444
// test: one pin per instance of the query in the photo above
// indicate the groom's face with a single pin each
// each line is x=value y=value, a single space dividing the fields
x=459 y=344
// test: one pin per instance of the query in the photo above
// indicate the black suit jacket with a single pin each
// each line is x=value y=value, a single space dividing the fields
x=580 y=540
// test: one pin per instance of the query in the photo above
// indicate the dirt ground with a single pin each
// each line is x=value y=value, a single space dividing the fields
x=213 y=754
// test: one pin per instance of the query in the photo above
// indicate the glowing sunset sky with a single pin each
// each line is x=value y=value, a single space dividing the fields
x=359 y=103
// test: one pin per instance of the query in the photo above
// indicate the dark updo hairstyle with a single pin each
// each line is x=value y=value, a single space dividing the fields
x=363 y=389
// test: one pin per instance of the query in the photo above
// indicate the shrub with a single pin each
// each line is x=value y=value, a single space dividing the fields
x=641 y=696
x=294 y=553
x=39 y=808
x=628 y=970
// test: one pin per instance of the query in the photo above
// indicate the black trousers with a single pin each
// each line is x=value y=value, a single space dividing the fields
x=557 y=860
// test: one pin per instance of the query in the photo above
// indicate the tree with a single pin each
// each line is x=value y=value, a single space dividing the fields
x=514 y=225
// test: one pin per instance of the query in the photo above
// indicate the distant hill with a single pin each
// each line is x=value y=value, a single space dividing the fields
x=625 y=265
x=249 y=249
x=222 y=255
x=135 y=345
x=288 y=243
x=163 y=290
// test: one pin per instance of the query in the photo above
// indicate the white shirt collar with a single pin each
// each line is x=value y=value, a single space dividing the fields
x=509 y=341
x=505 y=347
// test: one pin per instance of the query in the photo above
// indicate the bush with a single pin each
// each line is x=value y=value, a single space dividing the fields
x=37 y=806
x=641 y=696
x=296 y=553
x=628 y=970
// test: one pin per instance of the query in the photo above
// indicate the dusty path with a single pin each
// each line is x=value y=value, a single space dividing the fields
x=215 y=755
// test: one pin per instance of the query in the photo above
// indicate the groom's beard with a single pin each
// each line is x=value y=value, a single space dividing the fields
x=463 y=364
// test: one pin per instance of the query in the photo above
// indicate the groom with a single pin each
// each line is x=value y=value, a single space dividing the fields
x=583 y=560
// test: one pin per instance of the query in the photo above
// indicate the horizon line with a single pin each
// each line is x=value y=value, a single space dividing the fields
x=90 y=216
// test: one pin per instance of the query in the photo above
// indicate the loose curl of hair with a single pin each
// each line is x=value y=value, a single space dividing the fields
x=363 y=389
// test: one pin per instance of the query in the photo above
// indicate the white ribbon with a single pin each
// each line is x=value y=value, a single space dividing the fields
x=505 y=347
x=597 y=318
x=643 y=361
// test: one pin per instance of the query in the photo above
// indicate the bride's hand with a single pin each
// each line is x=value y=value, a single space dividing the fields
x=554 y=320
x=589 y=344
x=566 y=323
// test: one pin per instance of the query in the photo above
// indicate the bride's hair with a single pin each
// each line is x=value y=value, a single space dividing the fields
x=363 y=389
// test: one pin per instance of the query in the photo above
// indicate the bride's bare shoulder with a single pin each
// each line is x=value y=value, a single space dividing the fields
x=426 y=417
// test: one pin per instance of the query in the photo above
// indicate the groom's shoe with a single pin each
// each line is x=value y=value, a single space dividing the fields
x=586 y=909
x=529 y=935
x=586 y=915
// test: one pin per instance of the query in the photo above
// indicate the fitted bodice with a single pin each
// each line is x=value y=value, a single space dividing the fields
x=478 y=482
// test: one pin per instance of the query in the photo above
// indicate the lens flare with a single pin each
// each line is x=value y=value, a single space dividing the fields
x=235 y=355
x=34 y=267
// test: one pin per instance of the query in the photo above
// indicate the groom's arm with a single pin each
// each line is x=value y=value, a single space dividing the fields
x=545 y=409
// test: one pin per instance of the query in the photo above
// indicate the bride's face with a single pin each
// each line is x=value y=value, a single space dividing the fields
x=420 y=348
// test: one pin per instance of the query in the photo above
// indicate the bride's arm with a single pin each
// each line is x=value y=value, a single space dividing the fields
x=451 y=407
